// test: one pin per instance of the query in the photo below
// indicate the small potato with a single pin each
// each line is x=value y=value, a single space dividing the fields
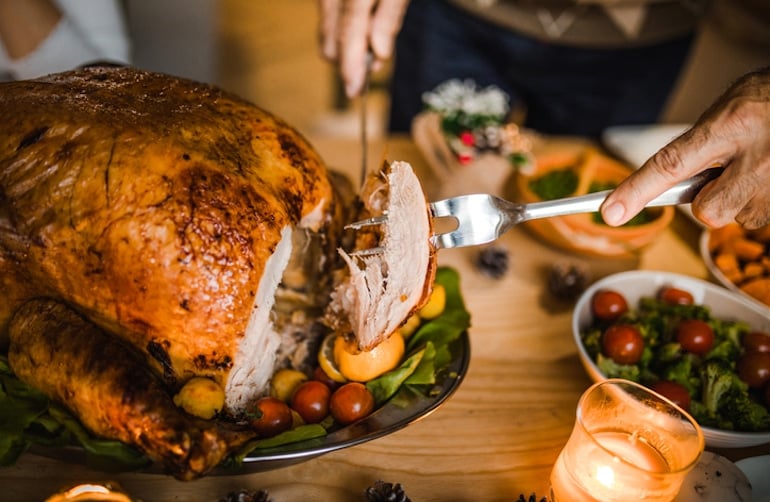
x=410 y=326
x=201 y=397
x=436 y=303
x=284 y=382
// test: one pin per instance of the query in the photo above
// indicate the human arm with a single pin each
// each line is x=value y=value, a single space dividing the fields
x=735 y=133
x=349 y=28
x=46 y=36
x=25 y=25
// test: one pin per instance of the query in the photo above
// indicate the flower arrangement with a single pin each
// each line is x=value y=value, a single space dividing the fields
x=473 y=120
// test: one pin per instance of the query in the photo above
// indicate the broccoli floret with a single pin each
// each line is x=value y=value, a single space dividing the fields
x=745 y=413
x=720 y=386
x=611 y=369
x=592 y=340
x=682 y=373
x=668 y=352
x=726 y=350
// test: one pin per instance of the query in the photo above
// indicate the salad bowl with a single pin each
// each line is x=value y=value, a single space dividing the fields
x=722 y=304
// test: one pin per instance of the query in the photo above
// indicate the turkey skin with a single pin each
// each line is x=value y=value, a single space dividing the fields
x=162 y=210
x=154 y=229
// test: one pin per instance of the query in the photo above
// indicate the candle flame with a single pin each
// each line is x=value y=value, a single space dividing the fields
x=84 y=489
x=605 y=475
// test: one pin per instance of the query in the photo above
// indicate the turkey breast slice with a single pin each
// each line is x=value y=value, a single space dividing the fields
x=255 y=359
x=382 y=290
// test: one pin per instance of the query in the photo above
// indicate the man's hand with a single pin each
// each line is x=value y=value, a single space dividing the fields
x=350 y=28
x=735 y=133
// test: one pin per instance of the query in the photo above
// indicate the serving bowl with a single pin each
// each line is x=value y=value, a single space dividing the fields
x=723 y=303
x=739 y=260
x=585 y=233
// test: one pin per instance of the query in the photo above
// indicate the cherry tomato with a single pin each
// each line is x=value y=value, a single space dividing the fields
x=695 y=336
x=674 y=392
x=273 y=416
x=320 y=375
x=623 y=343
x=754 y=369
x=311 y=401
x=756 y=341
x=608 y=305
x=675 y=296
x=351 y=402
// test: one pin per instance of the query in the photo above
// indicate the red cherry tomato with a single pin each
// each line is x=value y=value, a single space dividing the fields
x=754 y=369
x=756 y=341
x=623 y=343
x=608 y=305
x=674 y=392
x=320 y=375
x=675 y=296
x=351 y=402
x=695 y=336
x=272 y=416
x=311 y=401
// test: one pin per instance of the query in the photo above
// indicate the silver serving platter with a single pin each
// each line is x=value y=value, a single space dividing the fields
x=403 y=409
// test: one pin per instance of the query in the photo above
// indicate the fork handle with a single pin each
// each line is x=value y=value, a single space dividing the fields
x=681 y=193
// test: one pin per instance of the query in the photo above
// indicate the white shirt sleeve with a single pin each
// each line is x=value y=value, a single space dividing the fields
x=89 y=31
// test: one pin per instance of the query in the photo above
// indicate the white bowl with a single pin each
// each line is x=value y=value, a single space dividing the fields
x=718 y=275
x=723 y=303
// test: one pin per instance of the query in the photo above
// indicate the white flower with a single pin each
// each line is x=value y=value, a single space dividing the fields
x=455 y=96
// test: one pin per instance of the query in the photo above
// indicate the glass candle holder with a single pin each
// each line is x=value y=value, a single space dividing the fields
x=628 y=443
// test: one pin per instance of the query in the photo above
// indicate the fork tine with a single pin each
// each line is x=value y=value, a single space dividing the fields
x=442 y=208
x=376 y=220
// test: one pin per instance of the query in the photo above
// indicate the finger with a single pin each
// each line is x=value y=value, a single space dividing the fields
x=719 y=201
x=754 y=215
x=681 y=159
x=329 y=11
x=739 y=194
x=353 y=43
x=386 y=23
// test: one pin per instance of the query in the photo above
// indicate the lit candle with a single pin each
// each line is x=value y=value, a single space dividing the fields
x=628 y=443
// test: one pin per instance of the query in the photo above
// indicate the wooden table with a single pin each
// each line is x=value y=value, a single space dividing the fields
x=496 y=437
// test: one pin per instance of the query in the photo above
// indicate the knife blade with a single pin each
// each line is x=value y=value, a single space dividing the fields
x=363 y=117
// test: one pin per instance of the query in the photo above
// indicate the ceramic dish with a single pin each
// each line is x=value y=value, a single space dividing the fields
x=754 y=293
x=756 y=470
x=722 y=302
x=637 y=143
x=582 y=233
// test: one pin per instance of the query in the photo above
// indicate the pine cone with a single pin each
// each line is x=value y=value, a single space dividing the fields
x=567 y=281
x=532 y=498
x=493 y=261
x=246 y=496
x=386 y=492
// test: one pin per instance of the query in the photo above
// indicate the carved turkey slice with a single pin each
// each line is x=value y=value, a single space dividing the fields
x=383 y=289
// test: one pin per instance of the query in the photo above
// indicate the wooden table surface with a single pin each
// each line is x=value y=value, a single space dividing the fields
x=495 y=438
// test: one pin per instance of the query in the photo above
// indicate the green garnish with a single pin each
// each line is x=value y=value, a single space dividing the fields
x=561 y=183
x=555 y=184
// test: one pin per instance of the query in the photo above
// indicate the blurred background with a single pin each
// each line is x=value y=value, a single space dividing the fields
x=267 y=53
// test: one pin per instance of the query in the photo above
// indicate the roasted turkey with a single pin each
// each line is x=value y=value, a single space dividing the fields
x=165 y=229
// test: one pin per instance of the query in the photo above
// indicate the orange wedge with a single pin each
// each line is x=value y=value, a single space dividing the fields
x=364 y=366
